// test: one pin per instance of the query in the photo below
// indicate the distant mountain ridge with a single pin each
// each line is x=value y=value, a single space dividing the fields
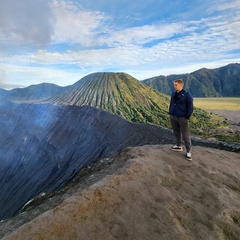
x=223 y=81
x=122 y=94
x=219 y=82
x=34 y=92
x=118 y=93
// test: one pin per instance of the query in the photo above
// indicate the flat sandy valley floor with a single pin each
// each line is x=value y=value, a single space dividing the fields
x=228 y=108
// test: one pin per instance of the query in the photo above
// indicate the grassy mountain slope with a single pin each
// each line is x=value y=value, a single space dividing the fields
x=223 y=81
x=34 y=92
x=124 y=95
x=118 y=93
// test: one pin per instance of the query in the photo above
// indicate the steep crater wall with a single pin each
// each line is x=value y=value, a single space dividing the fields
x=43 y=146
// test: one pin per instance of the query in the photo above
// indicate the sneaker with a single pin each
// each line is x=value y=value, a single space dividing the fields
x=177 y=148
x=189 y=156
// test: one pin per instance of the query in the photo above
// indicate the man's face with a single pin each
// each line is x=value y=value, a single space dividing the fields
x=177 y=86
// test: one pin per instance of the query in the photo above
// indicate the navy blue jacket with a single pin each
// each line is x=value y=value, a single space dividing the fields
x=181 y=104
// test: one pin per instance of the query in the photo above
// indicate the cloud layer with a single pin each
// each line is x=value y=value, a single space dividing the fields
x=25 y=22
x=64 y=36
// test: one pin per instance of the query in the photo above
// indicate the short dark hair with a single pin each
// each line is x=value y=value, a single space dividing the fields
x=180 y=81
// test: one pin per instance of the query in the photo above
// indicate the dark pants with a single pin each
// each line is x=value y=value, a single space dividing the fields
x=181 y=131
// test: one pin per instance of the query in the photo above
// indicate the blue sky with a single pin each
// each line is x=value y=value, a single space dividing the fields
x=61 y=41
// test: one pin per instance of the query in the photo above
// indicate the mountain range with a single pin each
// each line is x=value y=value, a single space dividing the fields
x=219 y=82
x=33 y=93
x=223 y=81
x=122 y=94
x=118 y=93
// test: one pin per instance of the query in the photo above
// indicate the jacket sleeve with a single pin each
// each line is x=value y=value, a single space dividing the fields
x=189 y=105
x=170 y=106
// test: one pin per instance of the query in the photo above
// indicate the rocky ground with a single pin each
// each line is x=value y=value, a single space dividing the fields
x=147 y=192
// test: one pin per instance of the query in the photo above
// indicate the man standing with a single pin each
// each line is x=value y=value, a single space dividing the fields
x=180 y=110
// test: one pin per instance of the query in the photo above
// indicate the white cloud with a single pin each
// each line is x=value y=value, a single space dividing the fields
x=75 y=25
x=13 y=76
x=143 y=35
x=192 y=41
x=25 y=22
x=226 y=5
x=22 y=76
x=44 y=22
x=158 y=47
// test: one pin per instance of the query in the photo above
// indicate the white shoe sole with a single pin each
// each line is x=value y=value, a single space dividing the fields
x=177 y=150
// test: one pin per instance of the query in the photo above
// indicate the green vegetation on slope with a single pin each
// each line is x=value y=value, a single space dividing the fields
x=217 y=82
x=204 y=123
x=121 y=94
x=229 y=108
